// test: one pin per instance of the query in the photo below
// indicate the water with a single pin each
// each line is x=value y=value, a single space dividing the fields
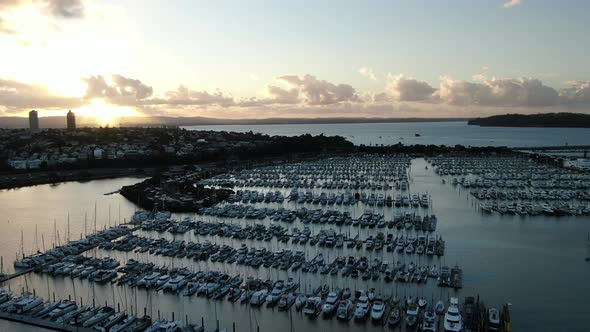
x=535 y=263
x=445 y=133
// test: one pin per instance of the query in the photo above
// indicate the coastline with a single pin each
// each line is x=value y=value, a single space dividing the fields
x=18 y=180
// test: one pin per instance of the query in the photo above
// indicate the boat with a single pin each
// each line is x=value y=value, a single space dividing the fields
x=453 y=320
x=63 y=308
x=313 y=306
x=5 y=295
x=286 y=301
x=25 y=304
x=412 y=316
x=329 y=308
x=44 y=310
x=122 y=326
x=102 y=314
x=493 y=319
x=362 y=308
x=344 y=309
x=164 y=326
x=300 y=302
x=395 y=317
x=258 y=298
x=439 y=308
x=113 y=320
x=378 y=310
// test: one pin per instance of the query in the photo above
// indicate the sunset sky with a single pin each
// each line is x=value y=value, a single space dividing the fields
x=258 y=59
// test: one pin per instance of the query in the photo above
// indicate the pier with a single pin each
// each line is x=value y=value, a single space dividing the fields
x=6 y=277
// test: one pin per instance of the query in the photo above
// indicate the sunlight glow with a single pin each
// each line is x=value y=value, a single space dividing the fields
x=106 y=114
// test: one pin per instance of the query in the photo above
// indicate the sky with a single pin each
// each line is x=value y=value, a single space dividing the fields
x=322 y=58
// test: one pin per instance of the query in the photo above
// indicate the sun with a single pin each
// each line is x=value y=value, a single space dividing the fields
x=106 y=114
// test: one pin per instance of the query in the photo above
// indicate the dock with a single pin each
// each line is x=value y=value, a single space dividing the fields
x=44 y=323
x=6 y=277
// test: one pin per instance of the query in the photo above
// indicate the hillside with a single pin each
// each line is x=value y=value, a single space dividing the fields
x=556 y=120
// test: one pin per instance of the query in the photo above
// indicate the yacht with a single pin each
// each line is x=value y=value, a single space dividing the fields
x=395 y=317
x=344 y=310
x=453 y=319
x=258 y=297
x=362 y=308
x=412 y=316
x=313 y=306
x=493 y=319
x=331 y=303
x=25 y=304
x=377 y=310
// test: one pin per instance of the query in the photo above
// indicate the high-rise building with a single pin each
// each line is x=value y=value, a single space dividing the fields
x=71 y=119
x=33 y=121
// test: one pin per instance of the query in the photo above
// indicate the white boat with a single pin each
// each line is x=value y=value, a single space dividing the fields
x=453 y=320
x=300 y=302
x=344 y=310
x=313 y=306
x=258 y=297
x=331 y=303
x=377 y=310
x=175 y=284
x=164 y=326
x=63 y=308
x=362 y=308
x=25 y=304
x=124 y=324
x=493 y=319
x=102 y=314
x=412 y=316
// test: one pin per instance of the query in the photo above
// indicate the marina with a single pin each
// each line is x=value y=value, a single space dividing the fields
x=367 y=265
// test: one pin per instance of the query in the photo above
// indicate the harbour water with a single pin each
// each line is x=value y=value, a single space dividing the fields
x=445 y=133
x=535 y=263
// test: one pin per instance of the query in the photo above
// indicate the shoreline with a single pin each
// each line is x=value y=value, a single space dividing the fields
x=20 y=180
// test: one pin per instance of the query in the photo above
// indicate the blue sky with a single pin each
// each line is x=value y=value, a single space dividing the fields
x=237 y=49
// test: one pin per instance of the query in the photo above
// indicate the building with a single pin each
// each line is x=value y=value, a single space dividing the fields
x=33 y=121
x=71 y=120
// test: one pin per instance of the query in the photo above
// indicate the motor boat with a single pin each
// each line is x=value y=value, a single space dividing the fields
x=329 y=308
x=344 y=310
x=453 y=320
x=493 y=319
x=412 y=316
x=377 y=310
x=362 y=308
x=313 y=306
x=395 y=317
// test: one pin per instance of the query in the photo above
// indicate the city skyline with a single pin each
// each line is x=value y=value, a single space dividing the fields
x=266 y=59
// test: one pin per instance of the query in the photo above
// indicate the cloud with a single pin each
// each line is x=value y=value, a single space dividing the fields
x=368 y=73
x=122 y=91
x=66 y=8
x=320 y=92
x=183 y=96
x=521 y=92
x=512 y=3
x=404 y=88
x=16 y=97
x=48 y=10
x=577 y=94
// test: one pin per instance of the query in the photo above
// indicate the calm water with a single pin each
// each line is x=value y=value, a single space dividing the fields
x=537 y=264
x=447 y=133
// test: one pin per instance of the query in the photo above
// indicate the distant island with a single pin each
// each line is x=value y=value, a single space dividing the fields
x=555 y=120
